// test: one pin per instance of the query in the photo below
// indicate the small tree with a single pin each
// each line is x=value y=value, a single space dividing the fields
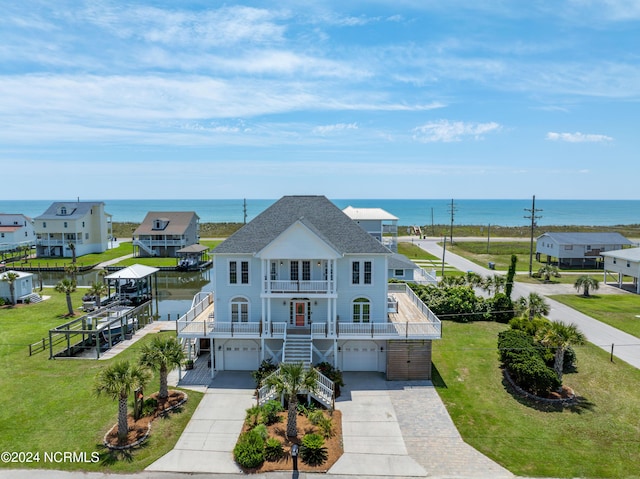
x=160 y=354
x=72 y=270
x=560 y=336
x=547 y=271
x=510 y=276
x=586 y=283
x=72 y=247
x=117 y=381
x=290 y=381
x=534 y=306
x=67 y=286
x=97 y=289
x=10 y=278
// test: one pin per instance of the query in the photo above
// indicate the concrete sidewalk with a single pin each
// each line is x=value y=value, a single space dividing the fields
x=626 y=346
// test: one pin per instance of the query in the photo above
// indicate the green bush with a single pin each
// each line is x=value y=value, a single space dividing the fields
x=265 y=369
x=312 y=450
x=149 y=406
x=253 y=416
x=455 y=302
x=261 y=429
x=270 y=411
x=315 y=416
x=500 y=307
x=525 y=361
x=273 y=449
x=249 y=450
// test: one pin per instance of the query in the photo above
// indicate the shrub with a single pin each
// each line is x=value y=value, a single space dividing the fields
x=500 y=307
x=270 y=411
x=532 y=374
x=253 y=416
x=261 y=429
x=313 y=451
x=306 y=409
x=149 y=406
x=249 y=450
x=273 y=449
x=570 y=361
x=315 y=416
x=265 y=369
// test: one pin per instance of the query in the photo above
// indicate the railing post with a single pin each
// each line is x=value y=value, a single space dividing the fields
x=406 y=333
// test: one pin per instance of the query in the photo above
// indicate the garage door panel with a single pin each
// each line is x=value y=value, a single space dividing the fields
x=241 y=356
x=360 y=356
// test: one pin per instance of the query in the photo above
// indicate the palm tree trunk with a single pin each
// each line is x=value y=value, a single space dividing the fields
x=12 y=290
x=558 y=363
x=292 y=417
x=164 y=390
x=69 y=305
x=123 y=425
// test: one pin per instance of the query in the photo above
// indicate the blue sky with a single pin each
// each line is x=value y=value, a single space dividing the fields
x=350 y=99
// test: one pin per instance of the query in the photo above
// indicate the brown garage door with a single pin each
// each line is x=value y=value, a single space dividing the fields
x=408 y=360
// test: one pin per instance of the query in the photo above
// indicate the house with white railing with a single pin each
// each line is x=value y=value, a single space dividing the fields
x=163 y=233
x=72 y=228
x=303 y=283
x=16 y=231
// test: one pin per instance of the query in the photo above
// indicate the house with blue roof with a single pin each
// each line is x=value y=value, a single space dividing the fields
x=578 y=249
x=303 y=282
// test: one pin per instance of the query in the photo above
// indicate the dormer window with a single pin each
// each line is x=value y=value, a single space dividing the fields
x=63 y=210
x=160 y=223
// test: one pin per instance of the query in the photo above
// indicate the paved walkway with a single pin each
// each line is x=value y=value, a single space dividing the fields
x=626 y=346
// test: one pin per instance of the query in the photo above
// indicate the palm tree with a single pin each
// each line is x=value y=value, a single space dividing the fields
x=472 y=279
x=560 y=336
x=72 y=247
x=71 y=269
x=533 y=306
x=494 y=284
x=160 y=354
x=117 y=381
x=97 y=289
x=586 y=283
x=547 y=271
x=11 y=278
x=67 y=286
x=289 y=381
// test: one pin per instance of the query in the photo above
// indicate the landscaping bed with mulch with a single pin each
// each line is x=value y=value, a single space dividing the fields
x=278 y=430
x=139 y=430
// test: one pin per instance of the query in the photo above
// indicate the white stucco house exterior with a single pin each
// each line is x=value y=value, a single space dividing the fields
x=16 y=230
x=303 y=282
x=578 y=249
x=85 y=225
x=624 y=262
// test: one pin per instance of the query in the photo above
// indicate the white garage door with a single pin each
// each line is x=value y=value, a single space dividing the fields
x=241 y=356
x=360 y=356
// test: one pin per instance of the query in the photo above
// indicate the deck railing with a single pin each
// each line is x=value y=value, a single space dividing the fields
x=289 y=286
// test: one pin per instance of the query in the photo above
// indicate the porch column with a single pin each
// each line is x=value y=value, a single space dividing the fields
x=329 y=327
x=212 y=357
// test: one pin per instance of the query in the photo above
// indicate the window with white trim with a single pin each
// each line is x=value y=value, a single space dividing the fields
x=399 y=273
x=362 y=272
x=361 y=310
x=239 y=310
x=306 y=271
x=294 y=276
x=233 y=272
x=355 y=272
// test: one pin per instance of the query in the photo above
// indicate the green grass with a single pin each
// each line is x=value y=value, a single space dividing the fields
x=49 y=405
x=617 y=310
x=598 y=438
x=86 y=260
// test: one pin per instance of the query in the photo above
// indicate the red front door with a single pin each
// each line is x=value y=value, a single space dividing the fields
x=300 y=309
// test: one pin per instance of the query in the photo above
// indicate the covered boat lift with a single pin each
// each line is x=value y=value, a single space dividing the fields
x=193 y=257
x=134 y=283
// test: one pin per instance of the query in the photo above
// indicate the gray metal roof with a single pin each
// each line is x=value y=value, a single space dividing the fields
x=630 y=254
x=400 y=261
x=317 y=213
x=136 y=271
x=75 y=210
x=587 y=238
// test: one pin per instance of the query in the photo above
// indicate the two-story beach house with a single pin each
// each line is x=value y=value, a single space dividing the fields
x=67 y=226
x=379 y=223
x=163 y=233
x=302 y=282
x=16 y=231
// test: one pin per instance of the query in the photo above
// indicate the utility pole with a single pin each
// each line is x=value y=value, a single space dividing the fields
x=244 y=209
x=444 y=251
x=488 y=237
x=433 y=231
x=452 y=210
x=533 y=219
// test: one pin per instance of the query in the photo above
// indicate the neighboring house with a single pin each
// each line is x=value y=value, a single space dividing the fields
x=23 y=287
x=163 y=233
x=16 y=231
x=379 y=223
x=85 y=225
x=303 y=282
x=625 y=262
x=403 y=269
x=578 y=249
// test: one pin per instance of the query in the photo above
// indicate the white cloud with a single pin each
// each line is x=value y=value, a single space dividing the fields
x=448 y=131
x=326 y=129
x=578 y=137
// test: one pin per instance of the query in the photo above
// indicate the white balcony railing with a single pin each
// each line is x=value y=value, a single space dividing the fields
x=279 y=286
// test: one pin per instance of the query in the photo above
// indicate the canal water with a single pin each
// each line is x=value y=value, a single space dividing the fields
x=176 y=289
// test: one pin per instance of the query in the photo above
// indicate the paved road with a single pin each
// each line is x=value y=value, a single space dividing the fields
x=626 y=346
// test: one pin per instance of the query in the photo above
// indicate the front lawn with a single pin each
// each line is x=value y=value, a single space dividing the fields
x=49 y=405
x=617 y=310
x=598 y=438
x=85 y=260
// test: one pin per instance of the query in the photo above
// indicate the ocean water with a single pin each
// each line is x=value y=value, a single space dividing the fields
x=409 y=212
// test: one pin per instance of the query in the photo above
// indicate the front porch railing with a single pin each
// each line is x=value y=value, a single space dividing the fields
x=288 y=286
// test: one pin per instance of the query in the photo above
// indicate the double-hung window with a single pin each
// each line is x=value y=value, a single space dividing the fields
x=361 y=272
x=233 y=272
